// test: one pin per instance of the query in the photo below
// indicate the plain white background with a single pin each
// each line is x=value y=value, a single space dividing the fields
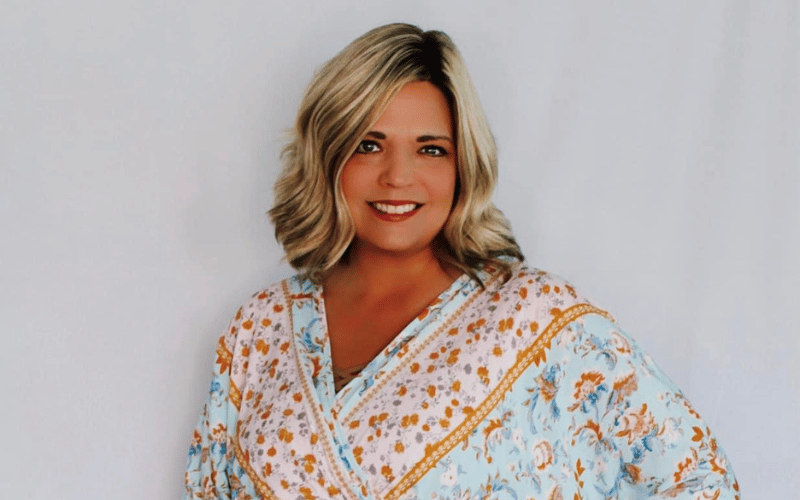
x=649 y=153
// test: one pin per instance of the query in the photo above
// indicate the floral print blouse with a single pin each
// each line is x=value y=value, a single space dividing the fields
x=517 y=390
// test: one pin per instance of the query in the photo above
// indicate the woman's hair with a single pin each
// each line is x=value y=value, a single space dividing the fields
x=345 y=98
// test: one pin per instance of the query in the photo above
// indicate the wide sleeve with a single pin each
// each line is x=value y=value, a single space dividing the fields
x=211 y=450
x=648 y=440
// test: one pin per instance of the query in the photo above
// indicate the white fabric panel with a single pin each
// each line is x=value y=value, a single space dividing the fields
x=650 y=153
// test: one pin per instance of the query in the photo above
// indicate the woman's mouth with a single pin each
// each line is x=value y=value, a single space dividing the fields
x=394 y=211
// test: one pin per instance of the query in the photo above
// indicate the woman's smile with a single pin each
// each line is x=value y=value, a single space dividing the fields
x=393 y=207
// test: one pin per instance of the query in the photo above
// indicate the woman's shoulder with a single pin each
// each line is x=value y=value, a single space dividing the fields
x=535 y=289
x=265 y=311
x=276 y=296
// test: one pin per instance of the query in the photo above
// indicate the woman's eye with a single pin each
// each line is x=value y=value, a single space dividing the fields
x=367 y=147
x=433 y=151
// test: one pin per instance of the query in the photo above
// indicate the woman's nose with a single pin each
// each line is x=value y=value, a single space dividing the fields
x=398 y=170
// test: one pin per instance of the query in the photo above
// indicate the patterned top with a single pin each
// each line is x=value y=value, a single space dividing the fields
x=519 y=390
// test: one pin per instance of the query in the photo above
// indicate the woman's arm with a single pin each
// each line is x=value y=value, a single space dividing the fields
x=211 y=449
x=653 y=444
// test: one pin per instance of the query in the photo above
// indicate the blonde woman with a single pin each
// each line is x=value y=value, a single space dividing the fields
x=415 y=356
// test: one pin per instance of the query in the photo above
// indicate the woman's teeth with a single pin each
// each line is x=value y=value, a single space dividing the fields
x=395 y=209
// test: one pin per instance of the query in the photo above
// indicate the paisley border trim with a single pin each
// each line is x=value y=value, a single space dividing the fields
x=261 y=486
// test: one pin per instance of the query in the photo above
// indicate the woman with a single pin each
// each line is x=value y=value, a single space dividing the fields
x=434 y=365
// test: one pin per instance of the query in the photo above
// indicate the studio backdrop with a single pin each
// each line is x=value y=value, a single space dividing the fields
x=649 y=154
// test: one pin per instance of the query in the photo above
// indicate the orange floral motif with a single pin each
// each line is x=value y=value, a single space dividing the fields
x=477 y=324
x=310 y=461
x=547 y=389
x=262 y=347
x=247 y=325
x=542 y=454
x=266 y=322
x=506 y=324
x=357 y=452
x=586 y=386
x=483 y=373
x=634 y=472
x=493 y=425
x=285 y=435
x=625 y=386
x=223 y=356
x=686 y=467
x=409 y=420
x=453 y=357
x=387 y=473
x=620 y=343
x=317 y=364
x=593 y=427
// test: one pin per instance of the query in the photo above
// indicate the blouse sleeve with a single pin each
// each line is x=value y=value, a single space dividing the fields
x=655 y=444
x=211 y=452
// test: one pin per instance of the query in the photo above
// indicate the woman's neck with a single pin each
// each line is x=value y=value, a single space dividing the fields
x=376 y=273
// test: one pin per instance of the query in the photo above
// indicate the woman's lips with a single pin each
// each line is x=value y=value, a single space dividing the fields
x=394 y=211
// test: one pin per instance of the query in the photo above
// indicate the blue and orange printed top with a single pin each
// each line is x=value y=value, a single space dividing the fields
x=519 y=390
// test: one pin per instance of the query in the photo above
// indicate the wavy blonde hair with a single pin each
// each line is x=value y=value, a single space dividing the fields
x=345 y=97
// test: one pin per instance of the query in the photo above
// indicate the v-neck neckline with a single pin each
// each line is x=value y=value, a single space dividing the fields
x=308 y=323
x=382 y=361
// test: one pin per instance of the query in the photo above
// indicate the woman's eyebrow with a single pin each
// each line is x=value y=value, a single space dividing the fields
x=376 y=134
x=426 y=138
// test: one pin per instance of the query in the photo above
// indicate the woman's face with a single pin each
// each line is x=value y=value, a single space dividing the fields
x=400 y=182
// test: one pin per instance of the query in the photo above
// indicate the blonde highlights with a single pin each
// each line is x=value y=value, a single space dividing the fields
x=344 y=99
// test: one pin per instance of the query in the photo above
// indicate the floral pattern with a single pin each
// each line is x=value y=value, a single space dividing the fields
x=520 y=390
